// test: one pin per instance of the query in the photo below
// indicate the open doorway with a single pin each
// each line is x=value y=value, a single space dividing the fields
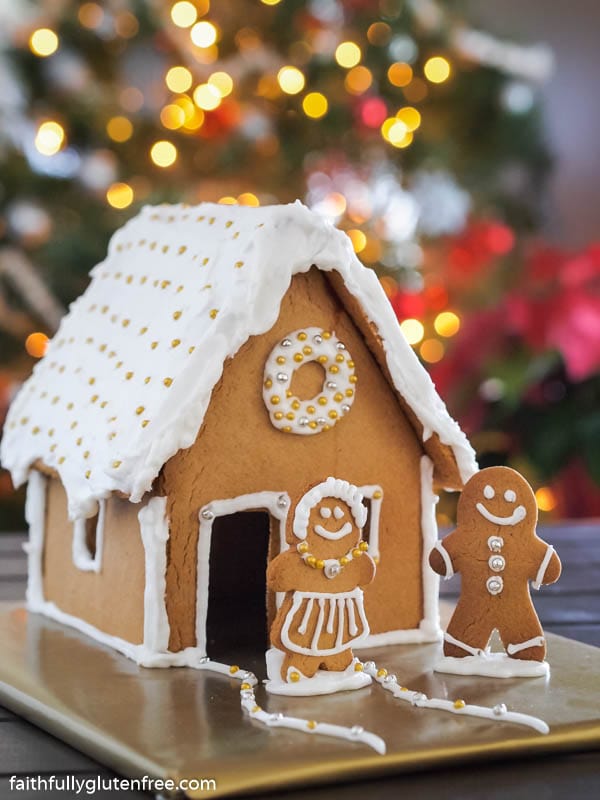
x=237 y=538
x=236 y=621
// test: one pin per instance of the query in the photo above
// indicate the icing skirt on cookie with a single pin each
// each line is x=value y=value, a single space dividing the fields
x=319 y=624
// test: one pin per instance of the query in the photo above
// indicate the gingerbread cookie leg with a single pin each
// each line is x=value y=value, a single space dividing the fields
x=462 y=637
x=295 y=663
x=523 y=638
x=338 y=662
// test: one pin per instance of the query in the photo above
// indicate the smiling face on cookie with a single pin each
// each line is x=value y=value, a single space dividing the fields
x=331 y=526
x=498 y=496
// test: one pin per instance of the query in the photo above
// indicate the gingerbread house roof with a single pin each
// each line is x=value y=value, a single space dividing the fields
x=127 y=379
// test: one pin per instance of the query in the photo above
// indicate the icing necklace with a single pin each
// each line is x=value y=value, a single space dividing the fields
x=331 y=566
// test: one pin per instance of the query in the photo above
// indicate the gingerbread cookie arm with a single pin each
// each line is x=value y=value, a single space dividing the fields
x=281 y=572
x=549 y=569
x=440 y=558
x=367 y=570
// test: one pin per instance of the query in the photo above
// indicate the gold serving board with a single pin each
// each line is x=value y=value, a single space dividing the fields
x=184 y=723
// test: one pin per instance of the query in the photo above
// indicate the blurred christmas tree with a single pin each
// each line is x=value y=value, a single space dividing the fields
x=396 y=119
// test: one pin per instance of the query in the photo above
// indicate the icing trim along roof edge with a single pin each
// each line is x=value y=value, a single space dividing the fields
x=180 y=291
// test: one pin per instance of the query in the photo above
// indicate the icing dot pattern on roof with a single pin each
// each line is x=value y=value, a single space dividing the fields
x=126 y=381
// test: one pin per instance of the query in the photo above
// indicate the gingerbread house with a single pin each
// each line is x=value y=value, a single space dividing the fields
x=221 y=361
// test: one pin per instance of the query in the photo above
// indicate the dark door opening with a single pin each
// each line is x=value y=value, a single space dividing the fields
x=236 y=623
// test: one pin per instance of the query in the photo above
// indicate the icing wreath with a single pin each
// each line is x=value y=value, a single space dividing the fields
x=305 y=417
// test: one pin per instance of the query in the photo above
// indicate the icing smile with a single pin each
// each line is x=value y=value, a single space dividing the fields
x=343 y=531
x=518 y=514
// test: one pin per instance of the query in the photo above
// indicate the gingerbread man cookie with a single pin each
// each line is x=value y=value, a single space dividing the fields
x=497 y=552
x=322 y=574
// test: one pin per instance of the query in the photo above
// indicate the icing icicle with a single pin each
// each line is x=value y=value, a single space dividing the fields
x=248 y=702
x=499 y=713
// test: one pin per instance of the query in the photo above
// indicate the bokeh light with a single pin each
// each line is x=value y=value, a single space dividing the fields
x=36 y=344
x=119 y=195
x=400 y=74
x=172 y=116
x=315 y=105
x=50 y=138
x=358 y=238
x=90 y=15
x=178 y=79
x=437 y=69
x=222 y=82
x=43 y=42
x=119 y=129
x=432 y=351
x=413 y=330
x=358 y=80
x=203 y=34
x=163 y=153
x=447 y=324
x=348 y=54
x=410 y=117
x=248 y=199
x=184 y=14
x=290 y=79
x=545 y=498
x=207 y=97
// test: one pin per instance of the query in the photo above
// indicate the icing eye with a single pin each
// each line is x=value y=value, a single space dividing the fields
x=510 y=496
x=325 y=512
x=488 y=492
x=338 y=513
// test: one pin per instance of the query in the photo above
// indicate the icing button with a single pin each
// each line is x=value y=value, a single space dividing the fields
x=282 y=377
x=495 y=584
x=495 y=543
x=282 y=501
x=332 y=570
x=207 y=514
x=499 y=710
x=497 y=563
x=418 y=697
x=357 y=730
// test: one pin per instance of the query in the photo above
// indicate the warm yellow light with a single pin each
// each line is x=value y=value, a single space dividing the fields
x=126 y=24
x=248 y=199
x=400 y=74
x=50 y=138
x=178 y=79
x=437 y=69
x=186 y=105
x=358 y=80
x=222 y=82
x=359 y=240
x=432 y=351
x=207 y=97
x=43 y=42
x=447 y=324
x=315 y=105
x=410 y=117
x=163 y=153
x=36 y=344
x=413 y=330
x=227 y=201
x=347 y=54
x=195 y=121
x=336 y=204
x=203 y=34
x=119 y=195
x=270 y=2
x=184 y=14
x=545 y=498
x=119 y=129
x=291 y=80
x=172 y=116
x=90 y=15
x=394 y=131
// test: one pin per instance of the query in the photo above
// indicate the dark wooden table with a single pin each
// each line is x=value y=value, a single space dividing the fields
x=570 y=608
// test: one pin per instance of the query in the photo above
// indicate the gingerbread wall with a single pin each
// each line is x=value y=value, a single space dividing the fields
x=113 y=599
x=238 y=451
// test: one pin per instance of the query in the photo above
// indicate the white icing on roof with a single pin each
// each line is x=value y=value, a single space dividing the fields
x=128 y=377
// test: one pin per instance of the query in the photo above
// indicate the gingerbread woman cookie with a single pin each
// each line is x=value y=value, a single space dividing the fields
x=322 y=614
x=497 y=552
